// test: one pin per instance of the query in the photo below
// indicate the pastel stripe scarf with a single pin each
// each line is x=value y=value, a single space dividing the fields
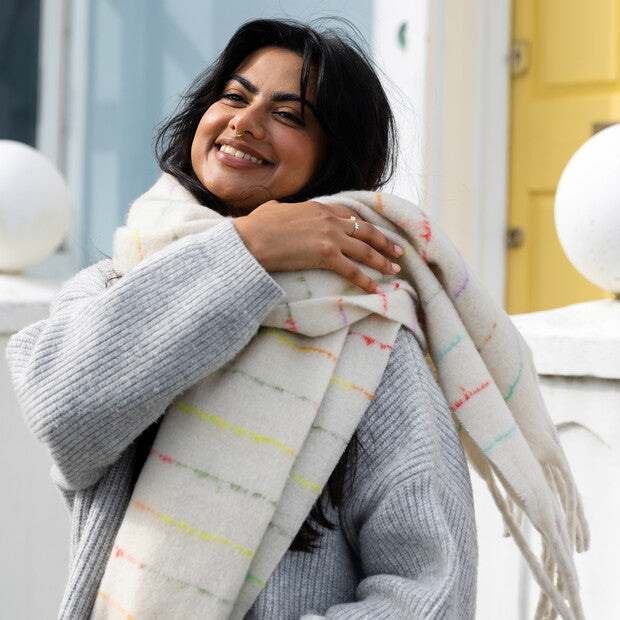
x=241 y=457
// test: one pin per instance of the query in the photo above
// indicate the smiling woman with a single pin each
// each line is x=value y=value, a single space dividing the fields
x=260 y=141
x=239 y=405
x=242 y=419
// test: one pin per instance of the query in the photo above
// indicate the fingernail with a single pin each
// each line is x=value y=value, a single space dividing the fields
x=379 y=290
x=395 y=268
x=398 y=250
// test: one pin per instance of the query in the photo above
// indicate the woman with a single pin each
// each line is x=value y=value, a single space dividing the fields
x=285 y=114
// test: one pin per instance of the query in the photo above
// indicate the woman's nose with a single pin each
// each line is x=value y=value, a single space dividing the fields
x=249 y=120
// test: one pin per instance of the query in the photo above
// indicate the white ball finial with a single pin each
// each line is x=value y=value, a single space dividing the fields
x=587 y=209
x=34 y=207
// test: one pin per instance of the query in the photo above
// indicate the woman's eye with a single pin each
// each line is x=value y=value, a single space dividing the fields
x=291 y=117
x=232 y=97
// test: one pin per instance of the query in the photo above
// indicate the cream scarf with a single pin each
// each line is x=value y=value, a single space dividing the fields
x=241 y=457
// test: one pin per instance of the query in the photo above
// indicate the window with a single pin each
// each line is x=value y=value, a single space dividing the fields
x=19 y=69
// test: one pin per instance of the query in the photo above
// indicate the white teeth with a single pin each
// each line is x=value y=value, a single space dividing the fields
x=240 y=154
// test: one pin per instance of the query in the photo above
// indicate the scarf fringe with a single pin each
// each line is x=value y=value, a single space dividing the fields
x=556 y=560
x=555 y=571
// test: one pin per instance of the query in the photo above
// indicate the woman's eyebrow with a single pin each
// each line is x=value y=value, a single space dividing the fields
x=278 y=96
x=245 y=83
x=292 y=97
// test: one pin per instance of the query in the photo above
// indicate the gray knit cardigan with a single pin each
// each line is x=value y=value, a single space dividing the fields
x=114 y=353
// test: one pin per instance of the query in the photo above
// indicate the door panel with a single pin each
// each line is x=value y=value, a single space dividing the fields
x=564 y=26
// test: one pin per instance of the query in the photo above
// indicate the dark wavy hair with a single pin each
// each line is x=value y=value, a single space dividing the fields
x=353 y=111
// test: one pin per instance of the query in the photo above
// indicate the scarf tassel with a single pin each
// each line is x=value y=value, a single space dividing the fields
x=556 y=558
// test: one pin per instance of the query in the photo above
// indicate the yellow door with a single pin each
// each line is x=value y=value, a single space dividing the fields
x=565 y=86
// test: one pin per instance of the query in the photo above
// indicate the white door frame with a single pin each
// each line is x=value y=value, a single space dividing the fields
x=468 y=130
x=61 y=117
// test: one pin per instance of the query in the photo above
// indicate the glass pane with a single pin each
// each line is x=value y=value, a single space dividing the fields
x=19 y=69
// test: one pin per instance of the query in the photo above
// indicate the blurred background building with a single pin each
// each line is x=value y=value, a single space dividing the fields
x=492 y=98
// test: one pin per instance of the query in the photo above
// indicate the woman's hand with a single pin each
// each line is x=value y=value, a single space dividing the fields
x=312 y=235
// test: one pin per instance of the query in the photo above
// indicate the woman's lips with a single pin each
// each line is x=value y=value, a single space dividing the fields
x=233 y=145
x=236 y=162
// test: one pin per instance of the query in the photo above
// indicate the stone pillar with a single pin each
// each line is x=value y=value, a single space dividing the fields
x=34 y=522
x=577 y=353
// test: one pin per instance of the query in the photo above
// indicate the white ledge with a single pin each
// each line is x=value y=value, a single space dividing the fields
x=581 y=340
x=24 y=300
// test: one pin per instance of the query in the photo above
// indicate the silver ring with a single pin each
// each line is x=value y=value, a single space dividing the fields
x=357 y=227
x=353 y=218
x=238 y=135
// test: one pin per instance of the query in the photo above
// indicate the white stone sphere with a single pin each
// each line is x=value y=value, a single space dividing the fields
x=587 y=209
x=34 y=206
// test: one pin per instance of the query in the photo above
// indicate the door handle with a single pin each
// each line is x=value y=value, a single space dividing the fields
x=515 y=237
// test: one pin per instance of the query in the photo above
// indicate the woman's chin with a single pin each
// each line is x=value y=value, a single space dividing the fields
x=242 y=201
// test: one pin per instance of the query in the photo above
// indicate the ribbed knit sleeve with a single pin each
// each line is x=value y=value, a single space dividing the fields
x=114 y=353
x=411 y=515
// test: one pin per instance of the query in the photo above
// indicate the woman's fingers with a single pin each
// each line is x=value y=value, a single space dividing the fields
x=348 y=269
x=365 y=231
x=371 y=236
x=363 y=253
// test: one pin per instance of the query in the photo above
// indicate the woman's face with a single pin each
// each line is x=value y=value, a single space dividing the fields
x=253 y=145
